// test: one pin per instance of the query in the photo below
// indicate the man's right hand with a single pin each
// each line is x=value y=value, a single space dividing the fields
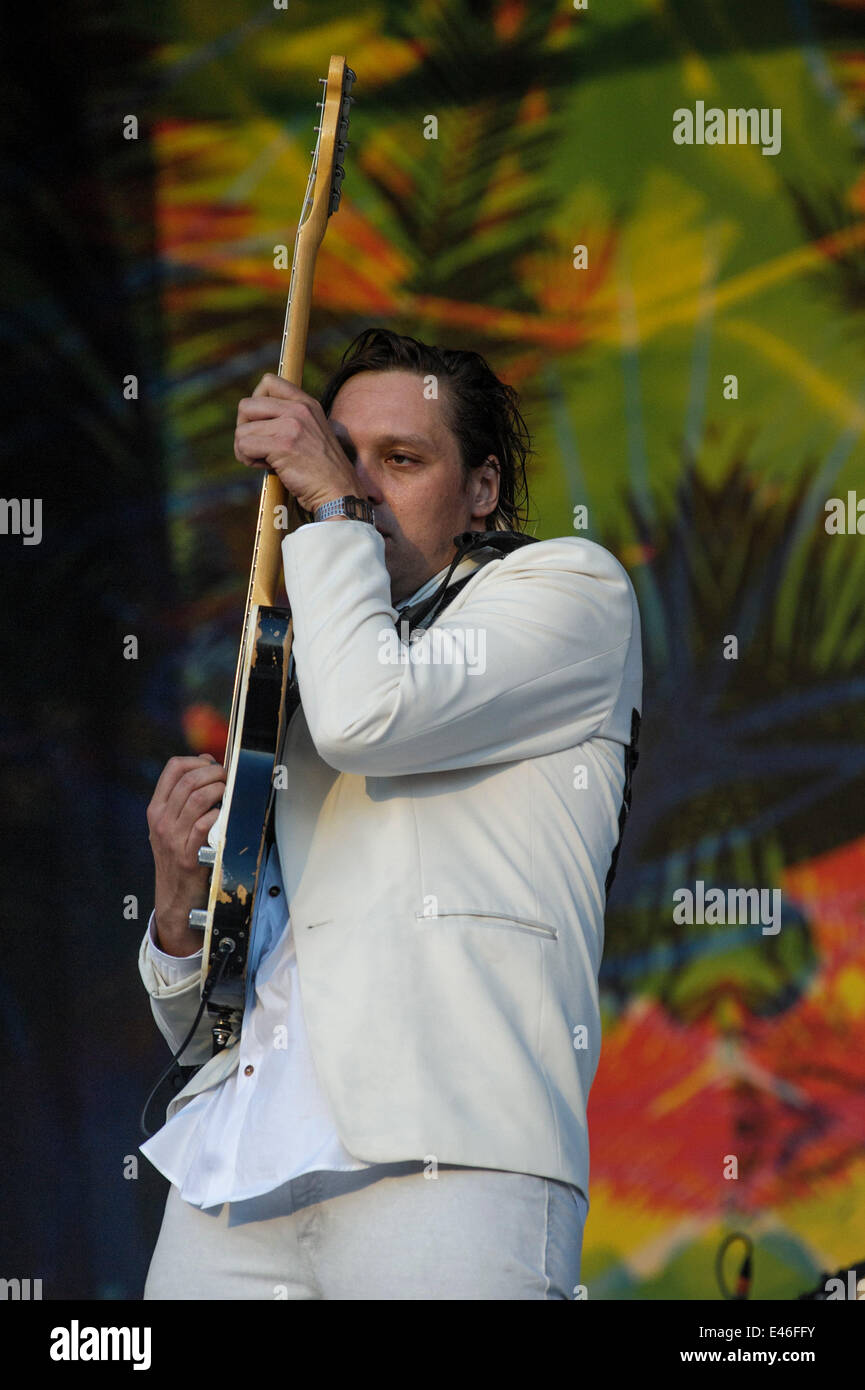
x=185 y=805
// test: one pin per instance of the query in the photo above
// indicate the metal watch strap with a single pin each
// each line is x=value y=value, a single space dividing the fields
x=356 y=508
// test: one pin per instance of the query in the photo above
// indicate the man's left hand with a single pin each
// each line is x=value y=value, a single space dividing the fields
x=282 y=428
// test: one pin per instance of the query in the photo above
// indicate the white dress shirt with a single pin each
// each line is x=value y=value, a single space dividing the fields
x=269 y=1121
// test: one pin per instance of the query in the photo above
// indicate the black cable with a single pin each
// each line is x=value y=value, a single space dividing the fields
x=210 y=985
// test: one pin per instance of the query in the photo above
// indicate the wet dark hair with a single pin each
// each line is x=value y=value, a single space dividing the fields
x=483 y=412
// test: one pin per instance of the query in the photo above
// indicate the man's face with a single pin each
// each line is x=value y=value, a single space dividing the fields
x=409 y=467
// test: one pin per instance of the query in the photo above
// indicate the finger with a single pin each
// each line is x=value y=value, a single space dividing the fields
x=273 y=385
x=265 y=408
x=254 y=442
x=201 y=802
x=205 y=775
x=271 y=453
x=243 y=454
x=171 y=774
x=198 y=834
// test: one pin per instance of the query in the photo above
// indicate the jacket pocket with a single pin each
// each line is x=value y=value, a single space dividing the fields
x=495 y=919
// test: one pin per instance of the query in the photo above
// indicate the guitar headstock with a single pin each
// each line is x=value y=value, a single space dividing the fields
x=327 y=172
x=323 y=189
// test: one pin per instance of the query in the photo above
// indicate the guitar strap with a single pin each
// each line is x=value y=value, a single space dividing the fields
x=632 y=757
x=422 y=614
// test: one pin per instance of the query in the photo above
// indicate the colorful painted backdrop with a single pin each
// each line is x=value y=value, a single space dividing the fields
x=554 y=131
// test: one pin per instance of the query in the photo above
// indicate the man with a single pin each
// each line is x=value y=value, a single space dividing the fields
x=404 y=1114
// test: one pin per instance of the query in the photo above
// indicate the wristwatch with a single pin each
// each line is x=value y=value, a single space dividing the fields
x=354 y=507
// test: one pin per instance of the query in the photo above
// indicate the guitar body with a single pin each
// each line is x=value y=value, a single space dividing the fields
x=238 y=854
x=238 y=840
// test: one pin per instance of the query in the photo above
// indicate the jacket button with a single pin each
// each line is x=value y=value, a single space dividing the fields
x=247 y=1071
x=274 y=890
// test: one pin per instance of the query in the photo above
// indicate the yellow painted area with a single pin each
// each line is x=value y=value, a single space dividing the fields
x=642 y=1235
x=198 y=162
x=788 y=265
x=375 y=58
x=849 y=990
x=685 y=264
x=697 y=75
x=831 y=1220
x=820 y=387
x=646 y=1237
x=625 y=1224
x=706 y=1074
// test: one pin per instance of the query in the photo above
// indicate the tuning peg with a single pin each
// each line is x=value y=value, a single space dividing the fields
x=336 y=186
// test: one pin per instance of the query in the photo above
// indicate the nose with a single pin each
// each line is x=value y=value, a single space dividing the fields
x=368 y=481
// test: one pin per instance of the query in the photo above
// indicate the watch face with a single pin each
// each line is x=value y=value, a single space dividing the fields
x=353 y=507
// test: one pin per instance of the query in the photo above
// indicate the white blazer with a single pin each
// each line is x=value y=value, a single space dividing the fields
x=445 y=838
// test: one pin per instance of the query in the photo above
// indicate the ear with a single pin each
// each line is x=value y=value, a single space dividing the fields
x=485 y=486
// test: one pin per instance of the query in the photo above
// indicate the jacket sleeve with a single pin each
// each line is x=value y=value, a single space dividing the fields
x=534 y=660
x=174 y=998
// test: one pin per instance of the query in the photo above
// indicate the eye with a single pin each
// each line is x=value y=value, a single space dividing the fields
x=404 y=458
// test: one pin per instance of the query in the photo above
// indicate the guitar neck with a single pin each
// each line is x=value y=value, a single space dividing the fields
x=267 y=553
x=321 y=198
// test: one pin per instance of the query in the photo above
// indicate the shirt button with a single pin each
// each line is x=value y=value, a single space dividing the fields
x=274 y=890
x=247 y=1071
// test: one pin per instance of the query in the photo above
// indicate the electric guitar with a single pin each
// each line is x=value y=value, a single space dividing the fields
x=237 y=841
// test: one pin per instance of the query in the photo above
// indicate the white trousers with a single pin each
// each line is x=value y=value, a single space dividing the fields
x=388 y=1232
